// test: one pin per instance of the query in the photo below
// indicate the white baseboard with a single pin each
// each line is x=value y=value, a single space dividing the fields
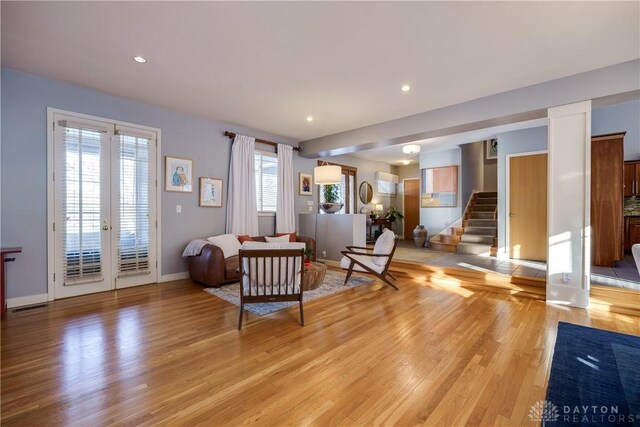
x=174 y=276
x=28 y=300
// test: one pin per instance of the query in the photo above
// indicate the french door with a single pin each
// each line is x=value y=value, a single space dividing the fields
x=104 y=225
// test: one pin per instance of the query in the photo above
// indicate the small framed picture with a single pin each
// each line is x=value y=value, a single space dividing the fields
x=178 y=174
x=492 y=149
x=210 y=192
x=305 y=184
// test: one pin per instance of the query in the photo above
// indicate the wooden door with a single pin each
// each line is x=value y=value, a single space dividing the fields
x=607 y=176
x=528 y=207
x=411 y=206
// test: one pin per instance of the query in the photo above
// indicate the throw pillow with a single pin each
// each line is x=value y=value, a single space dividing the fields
x=244 y=238
x=279 y=239
x=228 y=243
x=292 y=236
x=384 y=245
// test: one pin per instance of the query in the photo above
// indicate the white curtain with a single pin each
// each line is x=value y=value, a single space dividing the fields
x=242 y=208
x=285 y=210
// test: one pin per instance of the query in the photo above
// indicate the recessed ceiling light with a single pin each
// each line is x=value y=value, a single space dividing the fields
x=139 y=59
x=405 y=88
x=406 y=162
x=309 y=118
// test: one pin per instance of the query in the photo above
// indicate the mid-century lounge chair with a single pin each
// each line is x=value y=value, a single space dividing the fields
x=376 y=261
x=271 y=272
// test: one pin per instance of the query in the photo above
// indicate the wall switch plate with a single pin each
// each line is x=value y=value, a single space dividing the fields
x=178 y=208
x=310 y=208
x=324 y=254
x=566 y=277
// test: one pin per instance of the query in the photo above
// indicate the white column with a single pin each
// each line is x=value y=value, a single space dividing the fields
x=569 y=199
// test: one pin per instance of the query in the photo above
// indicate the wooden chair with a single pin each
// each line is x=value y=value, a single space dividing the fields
x=271 y=275
x=374 y=261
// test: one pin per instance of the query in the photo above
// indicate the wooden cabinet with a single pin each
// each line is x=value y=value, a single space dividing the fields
x=631 y=232
x=632 y=178
x=607 y=201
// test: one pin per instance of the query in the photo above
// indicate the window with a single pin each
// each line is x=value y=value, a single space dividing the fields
x=266 y=181
x=347 y=189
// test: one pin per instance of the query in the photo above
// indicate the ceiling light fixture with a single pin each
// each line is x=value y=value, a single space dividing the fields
x=327 y=174
x=406 y=162
x=140 y=59
x=411 y=149
x=309 y=118
x=405 y=88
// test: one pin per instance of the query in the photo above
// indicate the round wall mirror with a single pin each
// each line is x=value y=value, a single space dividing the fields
x=365 y=191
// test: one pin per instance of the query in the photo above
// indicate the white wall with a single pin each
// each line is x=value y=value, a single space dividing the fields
x=520 y=141
x=437 y=219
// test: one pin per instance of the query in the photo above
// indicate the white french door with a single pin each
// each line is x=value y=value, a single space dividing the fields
x=104 y=225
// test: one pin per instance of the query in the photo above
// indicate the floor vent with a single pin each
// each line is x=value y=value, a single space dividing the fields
x=29 y=307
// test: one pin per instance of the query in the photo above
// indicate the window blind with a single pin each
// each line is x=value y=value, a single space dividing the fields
x=266 y=181
x=133 y=197
x=81 y=204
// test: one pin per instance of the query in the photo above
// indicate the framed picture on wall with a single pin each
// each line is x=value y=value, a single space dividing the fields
x=178 y=174
x=439 y=187
x=306 y=183
x=492 y=149
x=210 y=192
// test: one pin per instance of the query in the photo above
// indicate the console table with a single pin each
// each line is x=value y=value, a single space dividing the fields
x=3 y=258
x=376 y=224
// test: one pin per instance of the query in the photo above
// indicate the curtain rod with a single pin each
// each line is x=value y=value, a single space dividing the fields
x=232 y=135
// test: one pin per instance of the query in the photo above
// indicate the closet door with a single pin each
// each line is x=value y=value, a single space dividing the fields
x=82 y=226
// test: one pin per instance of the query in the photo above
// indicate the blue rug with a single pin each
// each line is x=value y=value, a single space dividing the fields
x=595 y=379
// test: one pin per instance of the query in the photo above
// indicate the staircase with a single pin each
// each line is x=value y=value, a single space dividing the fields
x=479 y=225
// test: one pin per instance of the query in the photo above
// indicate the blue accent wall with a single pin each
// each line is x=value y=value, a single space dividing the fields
x=25 y=99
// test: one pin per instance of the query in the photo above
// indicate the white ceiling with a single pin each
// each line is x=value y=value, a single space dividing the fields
x=269 y=65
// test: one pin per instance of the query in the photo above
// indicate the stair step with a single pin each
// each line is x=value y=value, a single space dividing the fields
x=482 y=223
x=486 y=201
x=443 y=247
x=473 y=248
x=484 y=208
x=481 y=215
x=456 y=231
x=476 y=238
x=449 y=238
x=484 y=194
x=483 y=231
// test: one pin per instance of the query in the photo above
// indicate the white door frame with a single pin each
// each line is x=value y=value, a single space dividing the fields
x=51 y=189
x=507 y=244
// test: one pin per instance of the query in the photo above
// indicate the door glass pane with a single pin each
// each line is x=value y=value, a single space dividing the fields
x=82 y=245
x=133 y=198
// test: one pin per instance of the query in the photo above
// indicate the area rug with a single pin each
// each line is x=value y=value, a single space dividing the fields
x=333 y=283
x=595 y=379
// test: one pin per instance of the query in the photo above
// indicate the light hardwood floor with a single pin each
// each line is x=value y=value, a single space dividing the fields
x=170 y=354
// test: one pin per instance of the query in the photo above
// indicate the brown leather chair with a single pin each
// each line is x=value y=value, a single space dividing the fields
x=212 y=269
